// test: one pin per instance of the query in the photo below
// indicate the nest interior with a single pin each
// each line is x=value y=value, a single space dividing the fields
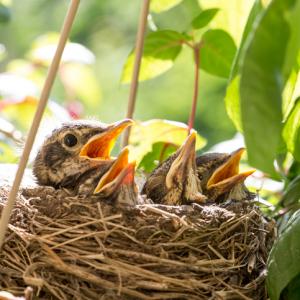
x=67 y=247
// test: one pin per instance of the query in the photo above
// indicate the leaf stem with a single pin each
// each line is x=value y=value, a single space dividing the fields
x=191 y=121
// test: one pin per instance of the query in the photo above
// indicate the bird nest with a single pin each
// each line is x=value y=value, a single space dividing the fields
x=67 y=247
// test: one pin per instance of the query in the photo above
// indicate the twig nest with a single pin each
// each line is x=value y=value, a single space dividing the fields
x=67 y=247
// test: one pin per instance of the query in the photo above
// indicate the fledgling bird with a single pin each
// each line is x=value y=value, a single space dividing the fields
x=117 y=185
x=175 y=181
x=76 y=155
x=220 y=178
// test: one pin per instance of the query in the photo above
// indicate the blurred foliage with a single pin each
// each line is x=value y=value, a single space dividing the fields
x=249 y=55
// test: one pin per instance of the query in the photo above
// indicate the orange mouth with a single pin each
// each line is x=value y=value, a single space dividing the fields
x=227 y=175
x=99 y=146
x=120 y=172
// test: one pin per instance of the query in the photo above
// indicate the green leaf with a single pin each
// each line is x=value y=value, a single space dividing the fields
x=292 y=291
x=160 y=152
x=204 y=18
x=267 y=63
x=284 y=259
x=232 y=98
x=217 y=52
x=288 y=95
x=292 y=193
x=5 y=14
x=160 y=50
x=145 y=134
x=159 y=6
x=291 y=131
x=232 y=16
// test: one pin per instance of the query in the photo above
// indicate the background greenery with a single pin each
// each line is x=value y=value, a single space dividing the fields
x=249 y=66
x=108 y=29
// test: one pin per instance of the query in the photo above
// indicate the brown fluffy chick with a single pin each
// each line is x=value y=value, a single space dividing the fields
x=175 y=181
x=77 y=154
x=117 y=185
x=220 y=178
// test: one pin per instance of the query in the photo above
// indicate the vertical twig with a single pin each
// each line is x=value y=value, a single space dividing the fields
x=37 y=117
x=137 y=63
x=191 y=121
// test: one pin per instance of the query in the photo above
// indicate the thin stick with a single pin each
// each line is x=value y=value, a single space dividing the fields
x=137 y=64
x=196 y=88
x=37 y=117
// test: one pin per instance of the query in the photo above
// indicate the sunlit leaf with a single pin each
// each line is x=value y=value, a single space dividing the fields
x=291 y=131
x=284 y=260
x=289 y=93
x=217 y=52
x=145 y=134
x=158 y=6
x=204 y=18
x=160 y=50
x=160 y=151
x=45 y=46
x=268 y=61
x=81 y=83
x=232 y=99
x=232 y=16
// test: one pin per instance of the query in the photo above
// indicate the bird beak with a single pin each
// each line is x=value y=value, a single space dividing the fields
x=227 y=175
x=121 y=172
x=185 y=157
x=99 y=146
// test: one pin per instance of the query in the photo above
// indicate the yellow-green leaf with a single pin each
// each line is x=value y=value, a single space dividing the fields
x=145 y=134
x=291 y=131
x=159 y=6
x=204 y=18
x=160 y=50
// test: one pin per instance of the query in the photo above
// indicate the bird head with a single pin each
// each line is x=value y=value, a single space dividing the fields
x=175 y=181
x=75 y=148
x=219 y=173
x=117 y=185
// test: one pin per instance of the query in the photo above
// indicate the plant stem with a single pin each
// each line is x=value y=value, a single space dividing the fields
x=6 y=212
x=137 y=63
x=191 y=122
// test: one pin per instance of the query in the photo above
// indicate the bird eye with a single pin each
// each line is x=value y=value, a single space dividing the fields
x=70 y=140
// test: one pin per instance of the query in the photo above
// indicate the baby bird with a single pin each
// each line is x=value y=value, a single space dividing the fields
x=220 y=178
x=77 y=154
x=175 y=181
x=117 y=185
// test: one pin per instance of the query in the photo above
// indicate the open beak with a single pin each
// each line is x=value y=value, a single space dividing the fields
x=99 y=146
x=227 y=175
x=121 y=172
x=185 y=157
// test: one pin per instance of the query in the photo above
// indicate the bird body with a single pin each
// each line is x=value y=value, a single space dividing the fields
x=175 y=181
x=213 y=176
